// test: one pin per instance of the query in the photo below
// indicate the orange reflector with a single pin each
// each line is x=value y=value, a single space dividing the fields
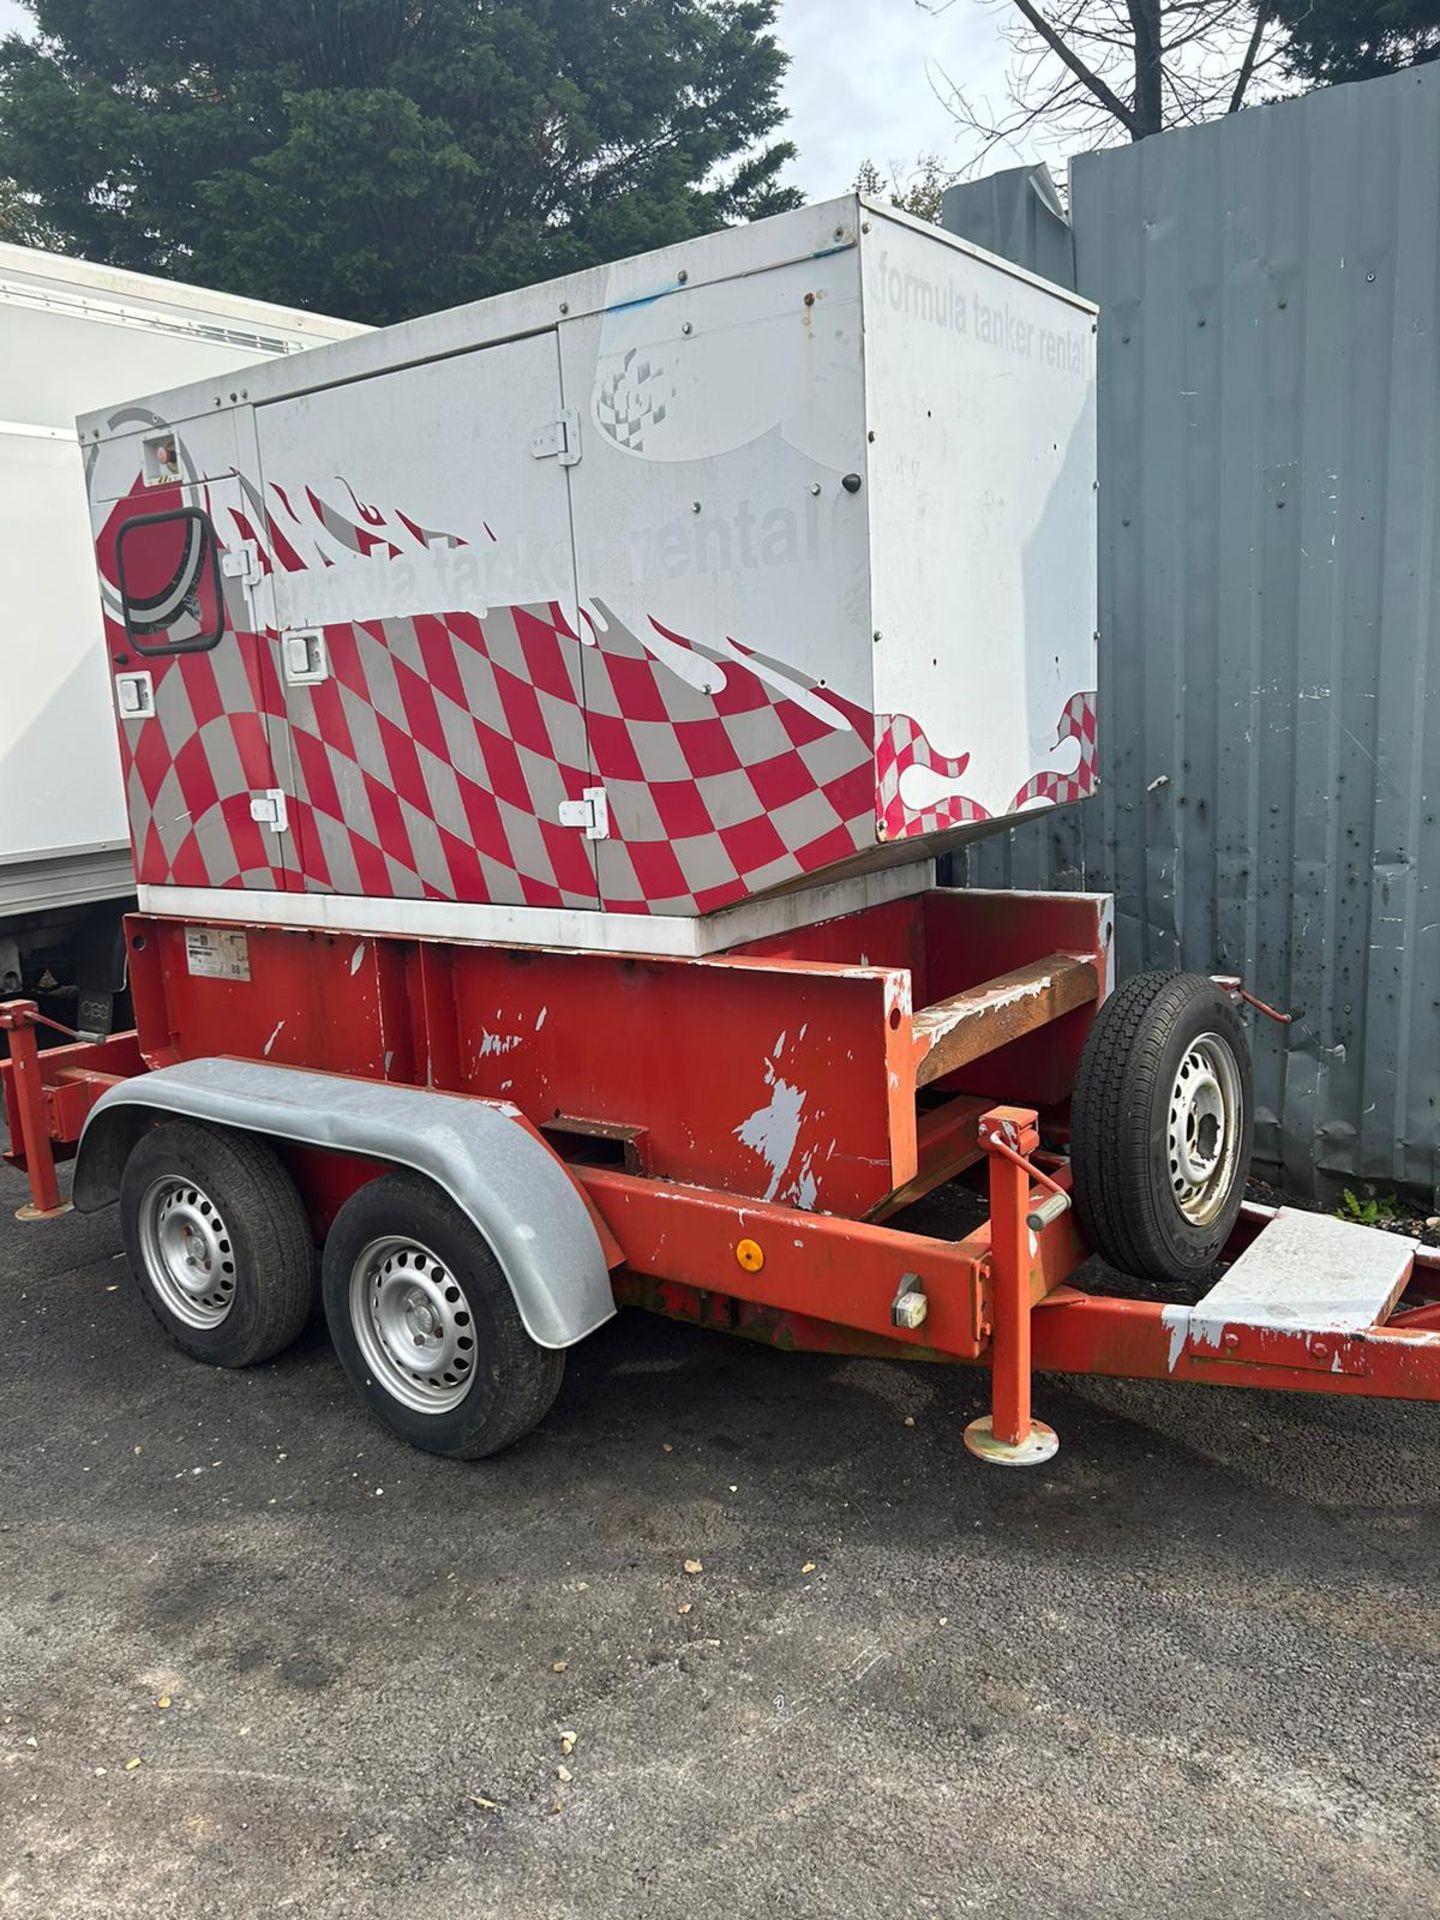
x=750 y=1254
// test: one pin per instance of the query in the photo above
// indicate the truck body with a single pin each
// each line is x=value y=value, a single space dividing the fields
x=76 y=335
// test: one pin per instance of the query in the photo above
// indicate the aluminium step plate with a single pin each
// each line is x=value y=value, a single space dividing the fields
x=1310 y=1272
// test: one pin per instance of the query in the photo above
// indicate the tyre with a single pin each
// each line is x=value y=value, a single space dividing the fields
x=426 y=1326
x=1161 y=1125
x=218 y=1242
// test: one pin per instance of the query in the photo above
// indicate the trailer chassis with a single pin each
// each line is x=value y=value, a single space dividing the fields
x=780 y=1220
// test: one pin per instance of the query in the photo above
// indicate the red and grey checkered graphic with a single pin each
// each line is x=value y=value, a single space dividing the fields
x=1077 y=722
x=900 y=744
x=715 y=796
x=432 y=762
x=190 y=770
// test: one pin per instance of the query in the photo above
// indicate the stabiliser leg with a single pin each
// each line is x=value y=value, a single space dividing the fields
x=1008 y=1436
x=19 y=1018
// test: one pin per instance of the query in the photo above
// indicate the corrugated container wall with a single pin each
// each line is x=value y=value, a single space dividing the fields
x=1269 y=433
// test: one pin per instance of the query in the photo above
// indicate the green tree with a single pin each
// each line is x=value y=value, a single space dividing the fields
x=1333 y=40
x=921 y=193
x=18 y=221
x=381 y=158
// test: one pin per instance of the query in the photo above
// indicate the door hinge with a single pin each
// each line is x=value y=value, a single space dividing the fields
x=304 y=658
x=590 y=812
x=559 y=439
x=268 y=810
x=242 y=562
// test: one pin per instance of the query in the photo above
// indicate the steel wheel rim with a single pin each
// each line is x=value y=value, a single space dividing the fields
x=187 y=1251
x=1203 y=1128
x=413 y=1324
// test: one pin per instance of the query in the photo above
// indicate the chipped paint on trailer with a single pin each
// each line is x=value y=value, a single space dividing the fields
x=898 y=994
x=357 y=957
x=1176 y=1321
x=773 y=1129
x=804 y=1188
x=497 y=1042
x=275 y=1035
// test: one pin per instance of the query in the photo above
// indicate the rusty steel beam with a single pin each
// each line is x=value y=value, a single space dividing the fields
x=953 y=1032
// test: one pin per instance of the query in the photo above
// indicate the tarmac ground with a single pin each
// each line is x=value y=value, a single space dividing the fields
x=258 y=1658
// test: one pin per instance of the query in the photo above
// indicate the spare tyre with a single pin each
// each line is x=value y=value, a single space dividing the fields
x=1162 y=1122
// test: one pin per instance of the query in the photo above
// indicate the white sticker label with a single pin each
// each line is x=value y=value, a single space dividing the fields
x=217 y=953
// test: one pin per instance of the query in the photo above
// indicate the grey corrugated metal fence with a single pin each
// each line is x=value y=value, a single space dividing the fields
x=1269 y=376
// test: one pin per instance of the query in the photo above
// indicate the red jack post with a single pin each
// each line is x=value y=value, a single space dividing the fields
x=1008 y=1436
x=19 y=1019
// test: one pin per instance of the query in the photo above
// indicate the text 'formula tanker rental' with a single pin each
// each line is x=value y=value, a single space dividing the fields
x=599 y=611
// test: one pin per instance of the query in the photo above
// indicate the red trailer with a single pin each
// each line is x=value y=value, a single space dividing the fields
x=494 y=1147
x=531 y=956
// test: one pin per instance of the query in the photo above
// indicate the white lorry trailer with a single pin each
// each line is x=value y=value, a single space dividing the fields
x=76 y=335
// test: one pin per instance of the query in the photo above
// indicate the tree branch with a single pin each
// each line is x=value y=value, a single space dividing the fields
x=1263 y=13
x=1107 y=97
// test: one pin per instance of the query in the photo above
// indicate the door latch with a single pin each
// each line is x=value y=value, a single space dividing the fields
x=134 y=696
x=268 y=809
x=591 y=812
x=304 y=657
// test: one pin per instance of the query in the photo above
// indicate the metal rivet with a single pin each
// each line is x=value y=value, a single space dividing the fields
x=694 y=506
x=839 y=233
x=814 y=486
x=875 y=636
x=851 y=483
x=683 y=275
x=686 y=327
x=564 y=306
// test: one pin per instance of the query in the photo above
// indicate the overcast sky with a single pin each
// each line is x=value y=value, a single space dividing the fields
x=861 y=81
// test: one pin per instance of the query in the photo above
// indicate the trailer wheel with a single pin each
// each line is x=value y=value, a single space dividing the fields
x=1161 y=1126
x=218 y=1242
x=426 y=1325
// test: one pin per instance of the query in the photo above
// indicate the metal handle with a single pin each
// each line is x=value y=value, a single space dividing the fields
x=1047 y=1210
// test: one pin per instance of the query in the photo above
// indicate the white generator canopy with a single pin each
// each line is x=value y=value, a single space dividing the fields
x=760 y=561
